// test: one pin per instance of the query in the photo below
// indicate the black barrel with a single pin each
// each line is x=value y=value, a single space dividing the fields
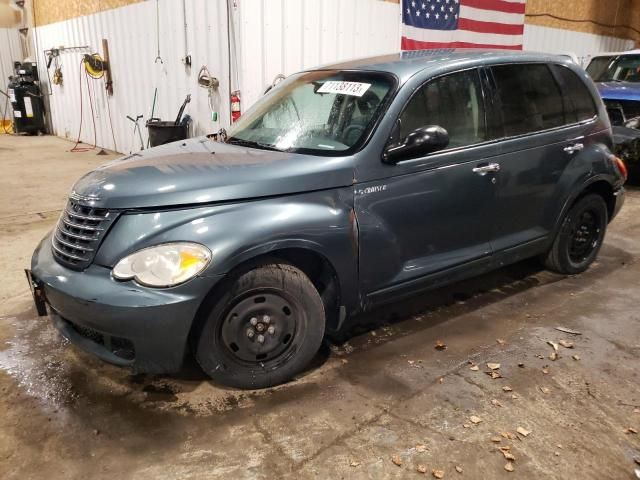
x=161 y=132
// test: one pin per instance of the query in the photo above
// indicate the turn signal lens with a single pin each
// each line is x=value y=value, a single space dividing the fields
x=621 y=167
x=164 y=265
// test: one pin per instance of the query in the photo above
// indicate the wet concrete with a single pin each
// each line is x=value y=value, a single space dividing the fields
x=381 y=390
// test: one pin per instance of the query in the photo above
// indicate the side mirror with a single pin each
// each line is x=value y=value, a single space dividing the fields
x=420 y=142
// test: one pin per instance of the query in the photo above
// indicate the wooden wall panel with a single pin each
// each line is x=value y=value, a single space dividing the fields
x=50 y=11
x=616 y=18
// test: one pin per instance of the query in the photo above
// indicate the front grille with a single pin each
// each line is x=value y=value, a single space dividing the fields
x=78 y=234
x=630 y=108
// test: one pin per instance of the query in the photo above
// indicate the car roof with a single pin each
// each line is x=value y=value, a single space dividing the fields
x=616 y=54
x=406 y=64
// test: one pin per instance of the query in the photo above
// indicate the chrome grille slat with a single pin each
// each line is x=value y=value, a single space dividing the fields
x=82 y=227
x=85 y=217
x=66 y=254
x=71 y=245
x=79 y=233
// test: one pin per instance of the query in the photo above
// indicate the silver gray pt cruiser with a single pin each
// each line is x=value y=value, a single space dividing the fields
x=343 y=188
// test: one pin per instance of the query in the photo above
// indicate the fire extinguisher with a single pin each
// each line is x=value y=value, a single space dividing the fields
x=235 y=106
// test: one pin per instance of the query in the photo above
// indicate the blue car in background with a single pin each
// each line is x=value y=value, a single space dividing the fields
x=617 y=76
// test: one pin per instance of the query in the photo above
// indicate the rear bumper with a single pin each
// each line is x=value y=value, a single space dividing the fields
x=619 y=202
x=120 y=322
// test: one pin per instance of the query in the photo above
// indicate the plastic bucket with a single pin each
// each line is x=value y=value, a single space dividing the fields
x=161 y=132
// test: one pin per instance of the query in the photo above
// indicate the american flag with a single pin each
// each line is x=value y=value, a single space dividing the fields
x=462 y=24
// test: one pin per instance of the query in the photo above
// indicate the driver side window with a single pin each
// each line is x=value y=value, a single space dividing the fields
x=453 y=102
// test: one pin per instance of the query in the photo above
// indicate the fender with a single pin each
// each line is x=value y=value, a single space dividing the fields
x=320 y=222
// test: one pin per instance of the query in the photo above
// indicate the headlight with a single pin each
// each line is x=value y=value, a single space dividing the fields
x=164 y=265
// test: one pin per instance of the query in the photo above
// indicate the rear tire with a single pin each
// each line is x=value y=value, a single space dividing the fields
x=265 y=327
x=581 y=236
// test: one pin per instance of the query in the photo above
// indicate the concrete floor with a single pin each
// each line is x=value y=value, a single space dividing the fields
x=384 y=394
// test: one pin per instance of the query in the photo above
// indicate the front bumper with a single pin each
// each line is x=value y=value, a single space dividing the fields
x=120 y=322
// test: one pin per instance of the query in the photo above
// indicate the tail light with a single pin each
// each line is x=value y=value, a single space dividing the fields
x=235 y=106
x=622 y=168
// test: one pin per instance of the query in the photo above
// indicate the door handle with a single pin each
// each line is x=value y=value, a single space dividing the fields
x=484 y=169
x=576 y=147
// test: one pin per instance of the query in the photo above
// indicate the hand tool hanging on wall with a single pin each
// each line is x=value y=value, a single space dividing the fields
x=158 y=57
x=186 y=60
x=211 y=83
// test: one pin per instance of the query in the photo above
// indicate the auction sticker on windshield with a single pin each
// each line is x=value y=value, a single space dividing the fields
x=356 y=89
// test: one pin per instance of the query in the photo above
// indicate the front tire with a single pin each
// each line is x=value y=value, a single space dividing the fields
x=581 y=236
x=265 y=327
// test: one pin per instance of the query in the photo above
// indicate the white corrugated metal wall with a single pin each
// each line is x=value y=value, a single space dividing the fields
x=10 y=51
x=131 y=32
x=583 y=45
x=286 y=36
x=270 y=36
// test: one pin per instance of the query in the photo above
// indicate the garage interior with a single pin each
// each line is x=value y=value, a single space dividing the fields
x=457 y=380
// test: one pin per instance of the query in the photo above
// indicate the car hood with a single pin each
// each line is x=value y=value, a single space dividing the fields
x=619 y=90
x=200 y=171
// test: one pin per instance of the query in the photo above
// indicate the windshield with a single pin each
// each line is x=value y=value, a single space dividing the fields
x=622 y=68
x=321 y=112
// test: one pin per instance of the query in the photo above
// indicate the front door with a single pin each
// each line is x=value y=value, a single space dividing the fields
x=431 y=214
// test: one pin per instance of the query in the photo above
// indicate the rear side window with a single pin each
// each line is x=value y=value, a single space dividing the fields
x=579 y=105
x=453 y=102
x=528 y=97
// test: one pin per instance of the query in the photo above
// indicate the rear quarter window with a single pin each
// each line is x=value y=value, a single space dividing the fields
x=529 y=98
x=579 y=101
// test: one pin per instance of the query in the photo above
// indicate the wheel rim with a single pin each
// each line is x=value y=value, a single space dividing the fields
x=585 y=236
x=260 y=327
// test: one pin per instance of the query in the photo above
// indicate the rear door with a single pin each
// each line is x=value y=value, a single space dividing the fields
x=542 y=136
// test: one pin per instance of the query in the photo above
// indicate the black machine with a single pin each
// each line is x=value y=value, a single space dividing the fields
x=26 y=99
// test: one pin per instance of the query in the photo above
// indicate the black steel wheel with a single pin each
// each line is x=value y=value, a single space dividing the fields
x=265 y=327
x=581 y=236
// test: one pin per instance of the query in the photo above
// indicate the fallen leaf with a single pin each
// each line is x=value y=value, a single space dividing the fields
x=496 y=439
x=636 y=410
x=438 y=473
x=500 y=341
x=554 y=345
x=493 y=366
x=505 y=448
x=509 y=467
x=441 y=380
x=514 y=396
x=576 y=357
x=354 y=463
x=466 y=425
x=545 y=369
x=631 y=430
x=493 y=374
x=440 y=345
x=566 y=343
x=553 y=356
x=507 y=388
x=545 y=390
x=458 y=469
x=568 y=330
x=421 y=448
x=539 y=356
x=475 y=368
x=559 y=445
x=496 y=403
x=522 y=431
x=508 y=435
x=421 y=468
x=475 y=420
x=508 y=456
x=345 y=361
x=396 y=460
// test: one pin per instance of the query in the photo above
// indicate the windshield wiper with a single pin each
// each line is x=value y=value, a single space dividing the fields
x=252 y=144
